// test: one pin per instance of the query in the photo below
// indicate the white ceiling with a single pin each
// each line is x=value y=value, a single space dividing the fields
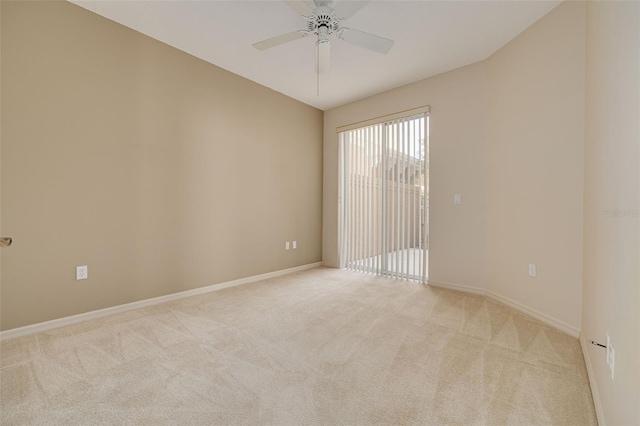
x=431 y=37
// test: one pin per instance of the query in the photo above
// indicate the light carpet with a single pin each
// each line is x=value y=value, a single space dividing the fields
x=323 y=346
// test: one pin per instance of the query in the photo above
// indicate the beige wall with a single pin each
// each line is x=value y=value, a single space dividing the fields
x=534 y=166
x=611 y=295
x=159 y=171
x=507 y=134
x=1 y=234
x=457 y=232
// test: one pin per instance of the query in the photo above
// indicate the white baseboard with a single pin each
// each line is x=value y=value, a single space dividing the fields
x=458 y=287
x=560 y=325
x=100 y=313
x=592 y=382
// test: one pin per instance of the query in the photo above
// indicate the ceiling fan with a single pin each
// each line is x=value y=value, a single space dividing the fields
x=324 y=18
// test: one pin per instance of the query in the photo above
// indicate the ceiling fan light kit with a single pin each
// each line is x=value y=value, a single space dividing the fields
x=323 y=21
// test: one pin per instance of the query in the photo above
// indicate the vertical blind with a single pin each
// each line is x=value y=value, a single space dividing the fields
x=384 y=198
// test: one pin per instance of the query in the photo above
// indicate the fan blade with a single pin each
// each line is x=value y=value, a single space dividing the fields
x=303 y=8
x=281 y=39
x=346 y=9
x=366 y=40
x=322 y=57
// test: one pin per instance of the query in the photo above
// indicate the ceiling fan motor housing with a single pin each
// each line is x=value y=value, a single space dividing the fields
x=323 y=21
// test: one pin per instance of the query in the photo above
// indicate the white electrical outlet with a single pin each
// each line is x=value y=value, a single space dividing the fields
x=532 y=270
x=82 y=272
x=295 y=245
x=286 y=245
x=457 y=198
x=608 y=348
x=612 y=360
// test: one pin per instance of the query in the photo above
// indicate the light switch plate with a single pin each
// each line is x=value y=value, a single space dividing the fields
x=457 y=198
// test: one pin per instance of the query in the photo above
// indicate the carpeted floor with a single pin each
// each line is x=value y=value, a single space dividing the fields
x=324 y=346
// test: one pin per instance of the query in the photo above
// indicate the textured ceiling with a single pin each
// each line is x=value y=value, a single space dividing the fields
x=431 y=37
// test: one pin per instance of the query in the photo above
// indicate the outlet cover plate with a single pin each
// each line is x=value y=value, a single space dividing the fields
x=612 y=361
x=82 y=272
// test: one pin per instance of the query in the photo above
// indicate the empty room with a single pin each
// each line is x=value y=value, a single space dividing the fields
x=319 y=212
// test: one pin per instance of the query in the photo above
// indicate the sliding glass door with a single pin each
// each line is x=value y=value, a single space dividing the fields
x=384 y=198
